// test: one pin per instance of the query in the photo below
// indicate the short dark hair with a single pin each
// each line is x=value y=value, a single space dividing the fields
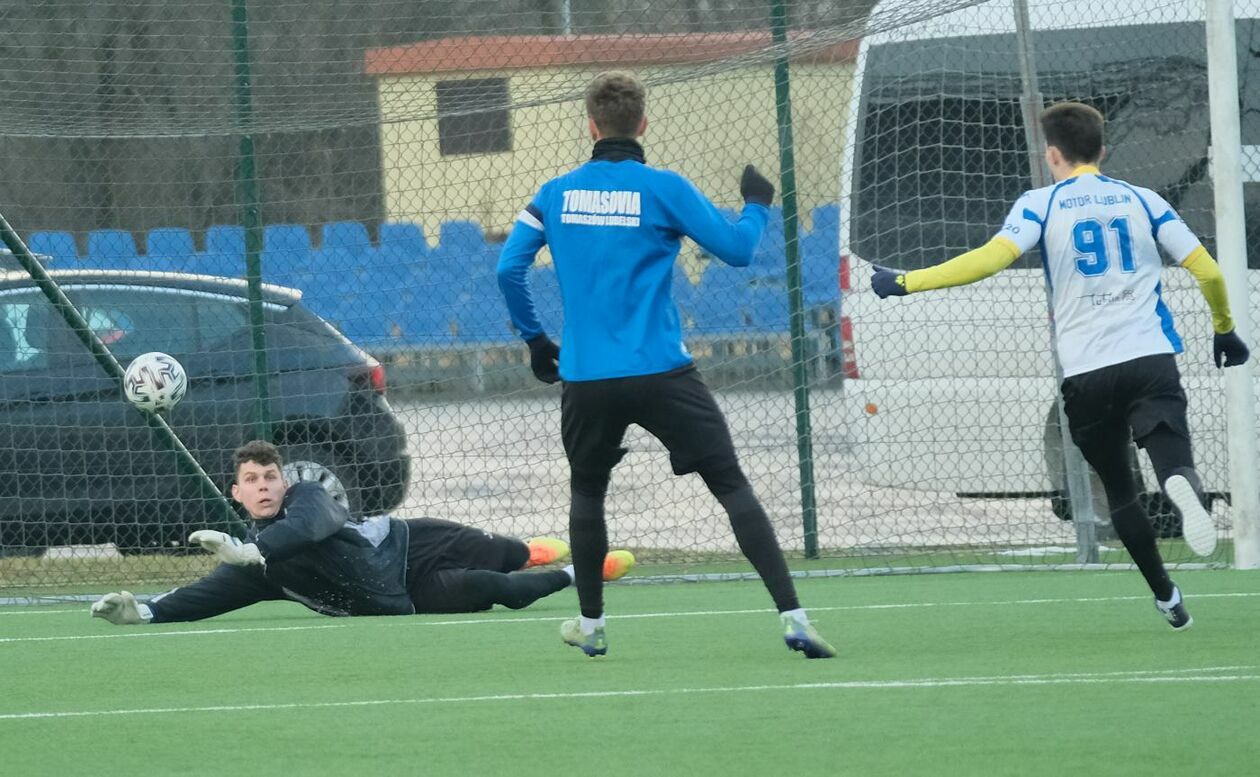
x=616 y=100
x=1075 y=129
x=258 y=452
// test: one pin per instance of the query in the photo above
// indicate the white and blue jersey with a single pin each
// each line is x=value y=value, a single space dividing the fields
x=1100 y=242
x=614 y=227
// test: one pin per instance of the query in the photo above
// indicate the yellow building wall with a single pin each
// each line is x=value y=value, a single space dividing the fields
x=706 y=128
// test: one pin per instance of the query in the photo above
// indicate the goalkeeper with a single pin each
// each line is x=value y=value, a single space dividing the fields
x=1100 y=242
x=302 y=547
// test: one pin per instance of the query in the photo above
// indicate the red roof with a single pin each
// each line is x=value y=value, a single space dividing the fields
x=514 y=52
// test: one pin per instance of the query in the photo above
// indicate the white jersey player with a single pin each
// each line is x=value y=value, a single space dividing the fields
x=1103 y=245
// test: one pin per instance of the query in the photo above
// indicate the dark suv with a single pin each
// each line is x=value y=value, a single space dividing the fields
x=78 y=464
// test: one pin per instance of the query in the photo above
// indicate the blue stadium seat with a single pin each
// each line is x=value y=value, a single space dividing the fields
x=460 y=237
x=401 y=253
x=345 y=234
x=286 y=252
x=714 y=315
x=59 y=247
x=820 y=257
x=720 y=299
x=345 y=248
x=484 y=320
x=225 y=252
x=424 y=324
x=405 y=237
x=768 y=308
x=170 y=248
x=112 y=248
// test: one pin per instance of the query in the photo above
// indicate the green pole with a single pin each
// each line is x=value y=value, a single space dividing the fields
x=74 y=319
x=251 y=216
x=796 y=307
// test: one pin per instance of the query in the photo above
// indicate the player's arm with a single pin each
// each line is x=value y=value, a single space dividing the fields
x=311 y=516
x=1212 y=284
x=225 y=589
x=523 y=244
x=694 y=215
x=1021 y=232
x=1179 y=242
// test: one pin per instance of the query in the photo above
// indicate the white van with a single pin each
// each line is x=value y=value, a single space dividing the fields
x=955 y=389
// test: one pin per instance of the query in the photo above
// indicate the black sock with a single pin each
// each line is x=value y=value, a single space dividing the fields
x=1131 y=523
x=588 y=537
x=515 y=589
x=756 y=539
x=1134 y=530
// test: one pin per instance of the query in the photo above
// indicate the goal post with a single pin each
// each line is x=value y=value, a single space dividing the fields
x=360 y=166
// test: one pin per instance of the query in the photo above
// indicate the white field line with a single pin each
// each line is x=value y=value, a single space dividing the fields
x=1218 y=674
x=505 y=618
x=182 y=633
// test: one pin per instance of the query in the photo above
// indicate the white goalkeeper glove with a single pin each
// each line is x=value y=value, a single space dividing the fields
x=121 y=609
x=227 y=548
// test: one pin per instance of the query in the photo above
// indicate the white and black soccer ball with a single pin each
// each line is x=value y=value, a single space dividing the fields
x=155 y=382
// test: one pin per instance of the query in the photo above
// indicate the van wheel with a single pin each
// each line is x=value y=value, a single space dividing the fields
x=316 y=464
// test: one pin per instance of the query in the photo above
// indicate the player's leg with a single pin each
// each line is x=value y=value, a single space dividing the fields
x=1096 y=419
x=475 y=590
x=1157 y=416
x=592 y=426
x=680 y=411
x=446 y=544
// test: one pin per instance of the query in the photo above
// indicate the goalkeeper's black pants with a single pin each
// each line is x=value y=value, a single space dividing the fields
x=455 y=568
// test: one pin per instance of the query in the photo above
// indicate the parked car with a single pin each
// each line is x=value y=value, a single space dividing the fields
x=78 y=464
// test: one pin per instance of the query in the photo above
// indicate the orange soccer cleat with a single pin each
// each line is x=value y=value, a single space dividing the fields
x=546 y=550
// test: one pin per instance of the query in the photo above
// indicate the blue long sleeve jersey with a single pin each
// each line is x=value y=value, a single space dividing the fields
x=614 y=229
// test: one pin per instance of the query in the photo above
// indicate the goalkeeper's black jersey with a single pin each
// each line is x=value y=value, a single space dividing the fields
x=316 y=556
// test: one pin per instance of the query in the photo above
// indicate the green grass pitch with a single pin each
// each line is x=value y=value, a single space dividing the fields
x=966 y=674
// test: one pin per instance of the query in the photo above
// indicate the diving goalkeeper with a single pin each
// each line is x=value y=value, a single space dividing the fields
x=303 y=547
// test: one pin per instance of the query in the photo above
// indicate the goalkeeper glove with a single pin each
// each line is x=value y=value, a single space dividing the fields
x=119 y=609
x=227 y=548
x=1230 y=349
x=889 y=283
x=544 y=358
x=755 y=187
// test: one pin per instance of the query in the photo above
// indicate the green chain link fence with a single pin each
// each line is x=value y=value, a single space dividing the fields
x=372 y=156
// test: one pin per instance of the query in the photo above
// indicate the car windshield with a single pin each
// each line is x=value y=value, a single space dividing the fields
x=128 y=320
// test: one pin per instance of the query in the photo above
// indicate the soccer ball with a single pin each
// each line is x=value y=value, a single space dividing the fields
x=154 y=382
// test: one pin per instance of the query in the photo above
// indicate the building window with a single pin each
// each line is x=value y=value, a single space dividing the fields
x=473 y=116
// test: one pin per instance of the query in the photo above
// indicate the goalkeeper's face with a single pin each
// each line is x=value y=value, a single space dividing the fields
x=260 y=489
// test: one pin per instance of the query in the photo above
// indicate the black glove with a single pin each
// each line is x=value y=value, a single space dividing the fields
x=544 y=358
x=1231 y=348
x=889 y=283
x=755 y=187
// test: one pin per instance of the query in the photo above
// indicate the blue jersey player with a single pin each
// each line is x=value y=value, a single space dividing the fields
x=1101 y=241
x=614 y=227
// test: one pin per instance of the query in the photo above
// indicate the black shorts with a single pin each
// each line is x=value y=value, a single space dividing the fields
x=439 y=554
x=1109 y=406
x=676 y=407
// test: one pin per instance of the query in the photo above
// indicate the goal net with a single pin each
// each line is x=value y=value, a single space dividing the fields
x=373 y=156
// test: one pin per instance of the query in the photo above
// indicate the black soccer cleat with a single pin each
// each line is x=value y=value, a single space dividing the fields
x=1174 y=611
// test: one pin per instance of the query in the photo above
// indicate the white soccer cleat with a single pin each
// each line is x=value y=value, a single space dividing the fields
x=1196 y=524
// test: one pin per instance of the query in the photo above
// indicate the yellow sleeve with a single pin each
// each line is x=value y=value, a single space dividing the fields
x=1208 y=273
x=992 y=257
